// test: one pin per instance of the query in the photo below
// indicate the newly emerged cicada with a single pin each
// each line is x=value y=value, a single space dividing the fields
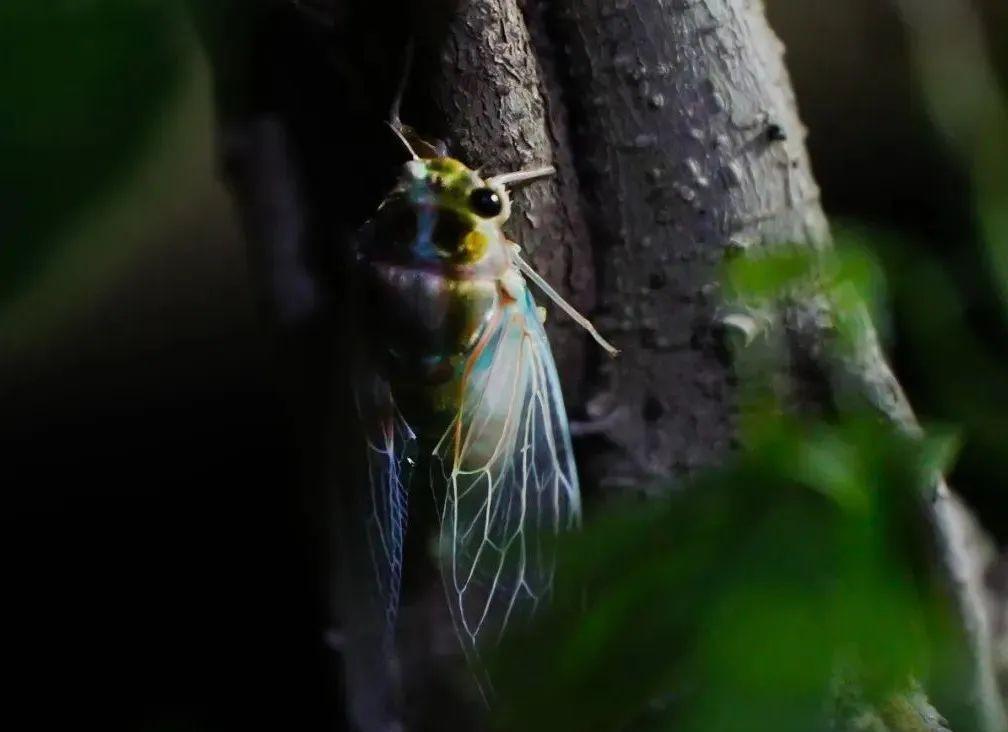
x=458 y=367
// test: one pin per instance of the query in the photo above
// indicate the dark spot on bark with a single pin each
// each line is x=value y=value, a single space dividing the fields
x=712 y=338
x=654 y=341
x=653 y=409
x=775 y=133
x=656 y=280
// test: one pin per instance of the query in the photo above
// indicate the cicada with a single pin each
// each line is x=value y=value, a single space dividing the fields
x=458 y=374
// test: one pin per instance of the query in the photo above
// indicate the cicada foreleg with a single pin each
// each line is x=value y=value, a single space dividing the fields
x=526 y=269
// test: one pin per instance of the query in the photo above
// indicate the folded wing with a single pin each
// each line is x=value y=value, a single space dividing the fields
x=504 y=479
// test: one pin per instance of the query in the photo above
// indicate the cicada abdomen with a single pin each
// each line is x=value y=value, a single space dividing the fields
x=458 y=364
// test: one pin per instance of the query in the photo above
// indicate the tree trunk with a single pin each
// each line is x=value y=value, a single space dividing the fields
x=675 y=133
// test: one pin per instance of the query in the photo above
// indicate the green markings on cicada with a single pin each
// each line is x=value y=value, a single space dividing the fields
x=457 y=236
x=448 y=174
x=458 y=210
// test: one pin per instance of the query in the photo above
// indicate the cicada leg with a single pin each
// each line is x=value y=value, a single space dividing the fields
x=417 y=146
x=526 y=269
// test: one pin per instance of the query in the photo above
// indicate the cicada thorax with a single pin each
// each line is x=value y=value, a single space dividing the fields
x=432 y=282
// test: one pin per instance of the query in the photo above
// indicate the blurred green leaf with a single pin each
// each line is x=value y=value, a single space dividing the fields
x=849 y=274
x=969 y=106
x=83 y=83
x=730 y=606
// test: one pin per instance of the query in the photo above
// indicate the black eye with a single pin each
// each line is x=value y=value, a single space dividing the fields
x=486 y=202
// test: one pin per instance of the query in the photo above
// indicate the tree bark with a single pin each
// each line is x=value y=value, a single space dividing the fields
x=674 y=130
x=689 y=145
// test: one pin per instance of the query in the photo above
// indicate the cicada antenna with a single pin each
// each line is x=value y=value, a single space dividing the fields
x=397 y=131
x=394 y=121
x=521 y=176
x=401 y=88
x=406 y=134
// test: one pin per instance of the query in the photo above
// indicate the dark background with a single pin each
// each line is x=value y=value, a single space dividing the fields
x=160 y=576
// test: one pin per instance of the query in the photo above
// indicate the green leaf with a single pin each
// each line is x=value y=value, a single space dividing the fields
x=83 y=84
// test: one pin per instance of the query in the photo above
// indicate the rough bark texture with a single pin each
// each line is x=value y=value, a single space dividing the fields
x=688 y=145
x=675 y=132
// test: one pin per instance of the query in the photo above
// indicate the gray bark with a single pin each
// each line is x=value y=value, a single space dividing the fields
x=705 y=153
x=689 y=145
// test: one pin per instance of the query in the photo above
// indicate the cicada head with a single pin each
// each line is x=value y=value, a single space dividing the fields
x=445 y=214
x=449 y=215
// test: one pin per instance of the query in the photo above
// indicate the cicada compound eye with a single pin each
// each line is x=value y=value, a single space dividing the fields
x=486 y=202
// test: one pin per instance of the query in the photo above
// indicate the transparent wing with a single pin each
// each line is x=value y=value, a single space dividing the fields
x=391 y=455
x=503 y=478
